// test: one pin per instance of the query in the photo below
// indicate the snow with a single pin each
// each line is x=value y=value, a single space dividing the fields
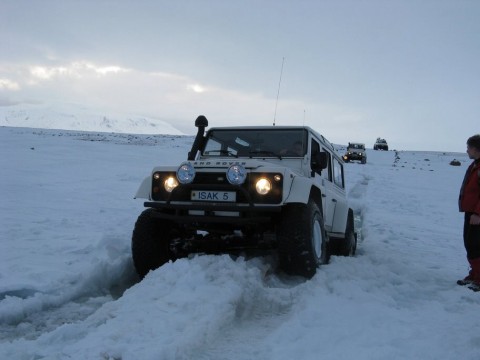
x=67 y=116
x=68 y=289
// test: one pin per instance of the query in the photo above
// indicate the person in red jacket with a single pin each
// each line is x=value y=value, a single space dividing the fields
x=469 y=203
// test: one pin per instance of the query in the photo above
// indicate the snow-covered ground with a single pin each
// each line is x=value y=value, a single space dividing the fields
x=79 y=117
x=68 y=289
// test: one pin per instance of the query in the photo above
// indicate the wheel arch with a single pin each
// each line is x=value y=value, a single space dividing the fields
x=302 y=190
x=316 y=196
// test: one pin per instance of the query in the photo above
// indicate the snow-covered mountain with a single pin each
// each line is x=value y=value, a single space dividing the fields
x=68 y=289
x=78 y=117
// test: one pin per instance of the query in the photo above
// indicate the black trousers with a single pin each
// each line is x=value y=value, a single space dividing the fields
x=471 y=238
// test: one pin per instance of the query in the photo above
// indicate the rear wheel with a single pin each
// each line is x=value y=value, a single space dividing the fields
x=349 y=243
x=302 y=240
x=151 y=242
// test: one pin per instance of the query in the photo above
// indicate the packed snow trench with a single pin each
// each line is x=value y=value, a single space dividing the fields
x=68 y=289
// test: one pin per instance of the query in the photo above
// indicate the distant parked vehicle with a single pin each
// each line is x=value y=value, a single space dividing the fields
x=380 y=144
x=355 y=151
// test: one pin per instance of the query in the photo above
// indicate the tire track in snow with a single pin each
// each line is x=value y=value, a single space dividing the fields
x=28 y=313
x=264 y=306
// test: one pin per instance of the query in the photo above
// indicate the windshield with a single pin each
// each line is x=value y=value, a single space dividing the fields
x=256 y=143
x=356 y=146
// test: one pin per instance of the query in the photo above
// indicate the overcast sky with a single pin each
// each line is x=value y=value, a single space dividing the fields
x=408 y=71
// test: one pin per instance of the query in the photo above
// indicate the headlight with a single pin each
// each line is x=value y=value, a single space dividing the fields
x=186 y=173
x=236 y=174
x=263 y=186
x=170 y=184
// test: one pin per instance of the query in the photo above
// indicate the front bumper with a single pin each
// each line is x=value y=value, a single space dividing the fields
x=353 y=157
x=214 y=213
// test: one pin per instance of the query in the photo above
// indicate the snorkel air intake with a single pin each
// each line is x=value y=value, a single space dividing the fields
x=201 y=123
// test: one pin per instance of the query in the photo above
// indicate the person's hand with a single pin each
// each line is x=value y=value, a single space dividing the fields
x=475 y=219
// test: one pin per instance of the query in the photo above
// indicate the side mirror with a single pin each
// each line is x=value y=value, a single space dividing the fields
x=319 y=161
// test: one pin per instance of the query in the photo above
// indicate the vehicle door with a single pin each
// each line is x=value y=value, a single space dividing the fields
x=324 y=180
x=339 y=217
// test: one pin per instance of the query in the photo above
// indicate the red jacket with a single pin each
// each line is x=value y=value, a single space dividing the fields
x=469 y=200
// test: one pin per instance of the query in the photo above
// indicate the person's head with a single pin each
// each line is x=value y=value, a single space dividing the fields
x=473 y=147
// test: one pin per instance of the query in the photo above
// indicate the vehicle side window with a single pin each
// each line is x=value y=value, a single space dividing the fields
x=328 y=174
x=338 y=173
x=330 y=170
x=315 y=150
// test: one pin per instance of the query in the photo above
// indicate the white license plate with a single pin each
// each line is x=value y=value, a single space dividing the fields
x=227 y=196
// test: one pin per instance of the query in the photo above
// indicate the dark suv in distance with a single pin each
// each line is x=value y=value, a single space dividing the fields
x=380 y=144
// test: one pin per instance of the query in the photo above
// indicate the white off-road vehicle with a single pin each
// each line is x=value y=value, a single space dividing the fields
x=356 y=151
x=280 y=188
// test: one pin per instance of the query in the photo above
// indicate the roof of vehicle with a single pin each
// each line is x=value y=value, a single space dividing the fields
x=355 y=143
x=271 y=127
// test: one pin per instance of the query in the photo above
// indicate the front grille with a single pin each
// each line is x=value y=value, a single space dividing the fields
x=214 y=181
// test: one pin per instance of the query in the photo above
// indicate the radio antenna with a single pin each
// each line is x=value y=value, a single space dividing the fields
x=278 y=92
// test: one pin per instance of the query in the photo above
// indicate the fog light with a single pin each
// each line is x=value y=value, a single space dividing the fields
x=236 y=174
x=170 y=184
x=186 y=173
x=263 y=186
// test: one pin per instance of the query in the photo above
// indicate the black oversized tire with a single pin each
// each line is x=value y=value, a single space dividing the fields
x=348 y=245
x=150 y=242
x=302 y=240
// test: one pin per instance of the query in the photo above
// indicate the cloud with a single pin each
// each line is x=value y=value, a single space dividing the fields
x=77 y=70
x=45 y=73
x=6 y=84
x=168 y=96
x=196 y=88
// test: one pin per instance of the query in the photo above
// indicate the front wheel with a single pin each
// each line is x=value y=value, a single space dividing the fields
x=302 y=240
x=151 y=242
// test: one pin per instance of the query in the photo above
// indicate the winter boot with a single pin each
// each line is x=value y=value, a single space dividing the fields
x=467 y=279
x=475 y=284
